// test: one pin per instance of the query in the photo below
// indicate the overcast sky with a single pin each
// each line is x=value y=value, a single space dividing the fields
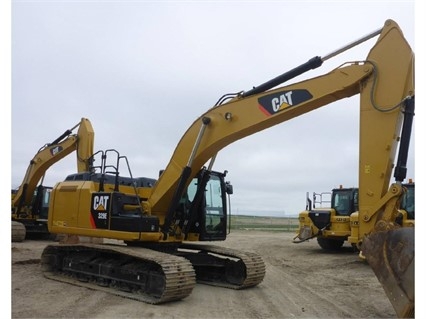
x=143 y=71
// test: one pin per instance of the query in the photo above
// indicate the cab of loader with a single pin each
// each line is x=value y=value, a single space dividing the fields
x=344 y=201
x=330 y=223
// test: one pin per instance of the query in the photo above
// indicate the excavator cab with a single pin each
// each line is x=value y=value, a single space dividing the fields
x=34 y=216
x=40 y=204
x=211 y=222
x=202 y=212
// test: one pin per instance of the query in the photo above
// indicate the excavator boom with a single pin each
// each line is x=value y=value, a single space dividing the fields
x=51 y=153
x=241 y=117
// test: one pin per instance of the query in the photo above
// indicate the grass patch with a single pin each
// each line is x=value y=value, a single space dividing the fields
x=279 y=224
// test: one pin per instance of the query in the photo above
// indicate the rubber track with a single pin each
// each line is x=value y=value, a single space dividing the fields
x=179 y=273
x=255 y=267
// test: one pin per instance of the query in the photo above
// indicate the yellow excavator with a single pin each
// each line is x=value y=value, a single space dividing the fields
x=30 y=201
x=157 y=224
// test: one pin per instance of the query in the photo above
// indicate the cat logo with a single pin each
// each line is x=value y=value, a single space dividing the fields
x=282 y=102
x=55 y=150
x=279 y=101
x=100 y=202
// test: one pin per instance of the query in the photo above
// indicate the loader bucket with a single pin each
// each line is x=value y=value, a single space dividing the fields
x=391 y=256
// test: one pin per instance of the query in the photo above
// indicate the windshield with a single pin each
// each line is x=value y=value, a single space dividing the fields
x=408 y=202
x=341 y=202
x=214 y=203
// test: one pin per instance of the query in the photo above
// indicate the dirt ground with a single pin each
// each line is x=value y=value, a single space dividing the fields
x=301 y=281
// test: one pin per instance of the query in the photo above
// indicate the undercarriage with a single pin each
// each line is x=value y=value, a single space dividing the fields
x=150 y=275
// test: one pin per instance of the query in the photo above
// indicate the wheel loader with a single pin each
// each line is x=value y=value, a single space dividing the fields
x=334 y=225
x=160 y=227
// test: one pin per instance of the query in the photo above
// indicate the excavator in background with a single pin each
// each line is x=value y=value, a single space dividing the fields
x=30 y=201
x=158 y=258
x=338 y=222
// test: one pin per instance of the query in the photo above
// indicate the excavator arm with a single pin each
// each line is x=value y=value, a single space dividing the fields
x=51 y=153
x=241 y=117
x=385 y=82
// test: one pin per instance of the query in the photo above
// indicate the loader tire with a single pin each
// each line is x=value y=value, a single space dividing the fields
x=18 y=232
x=330 y=244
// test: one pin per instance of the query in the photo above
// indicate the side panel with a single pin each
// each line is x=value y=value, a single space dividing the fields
x=77 y=207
